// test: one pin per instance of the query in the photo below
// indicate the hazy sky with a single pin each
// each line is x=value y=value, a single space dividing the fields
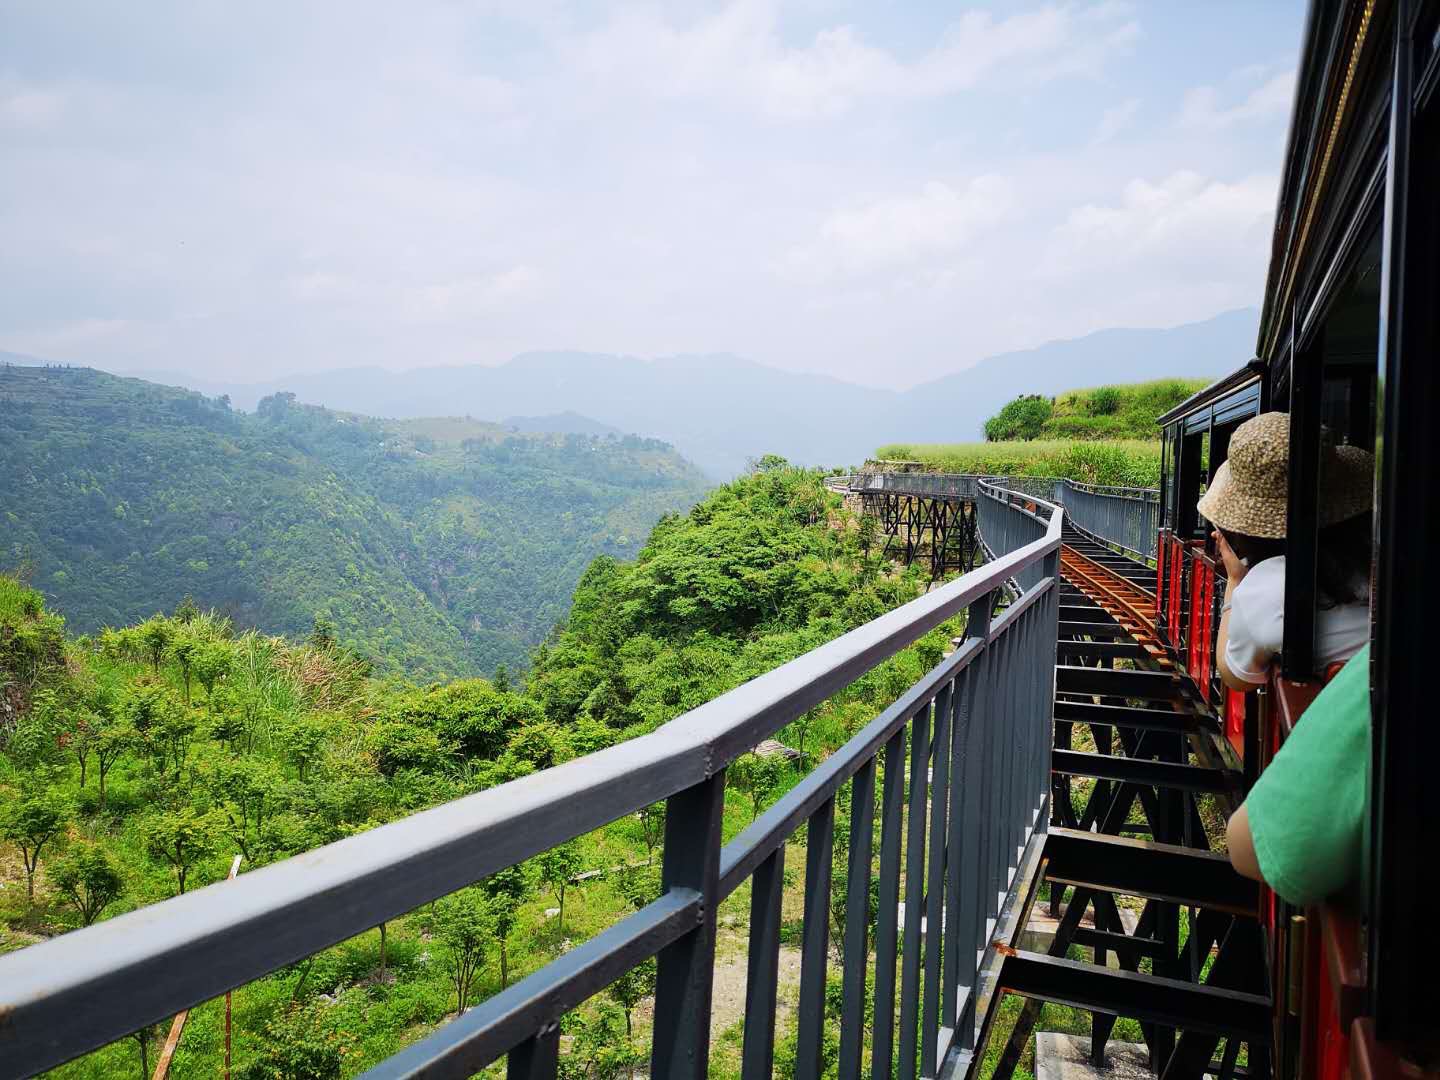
x=881 y=190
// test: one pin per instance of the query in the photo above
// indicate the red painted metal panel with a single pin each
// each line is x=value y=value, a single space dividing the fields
x=1235 y=720
x=1206 y=573
x=1177 y=585
x=1199 y=645
x=1160 y=552
x=1330 y=1050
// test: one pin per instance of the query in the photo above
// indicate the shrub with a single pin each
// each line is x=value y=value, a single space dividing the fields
x=1023 y=418
x=298 y=1045
x=1104 y=401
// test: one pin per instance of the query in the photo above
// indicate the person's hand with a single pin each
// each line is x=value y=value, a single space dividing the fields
x=1235 y=569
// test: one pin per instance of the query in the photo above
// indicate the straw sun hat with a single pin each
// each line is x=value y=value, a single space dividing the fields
x=1248 y=493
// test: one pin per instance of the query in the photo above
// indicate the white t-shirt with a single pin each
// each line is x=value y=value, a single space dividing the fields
x=1257 y=625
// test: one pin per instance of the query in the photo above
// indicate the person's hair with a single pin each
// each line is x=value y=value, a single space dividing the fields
x=1253 y=549
x=1342 y=563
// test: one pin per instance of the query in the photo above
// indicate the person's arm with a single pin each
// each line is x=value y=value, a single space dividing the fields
x=1301 y=827
x=1241 y=845
x=1235 y=571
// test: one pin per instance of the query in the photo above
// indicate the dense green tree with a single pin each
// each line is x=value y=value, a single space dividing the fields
x=299 y=1043
x=301 y=738
x=212 y=662
x=88 y=879
x=757 y=776
x=396 y=745
x=30 y=822
x=600 y=1049
x=82 y=738
x=632 y=988
x=465 y=924
x=181 y=838
x=472 y=715
x=505 y=890
x=244 y=790
x=556 y=868
x=116 y=739
x=157 y=635
x=184 y=651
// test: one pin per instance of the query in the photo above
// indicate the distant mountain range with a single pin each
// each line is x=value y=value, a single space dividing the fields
x=721 y=410
x=565 y=423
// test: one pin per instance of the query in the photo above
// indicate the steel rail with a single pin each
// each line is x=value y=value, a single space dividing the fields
x=1120 y=598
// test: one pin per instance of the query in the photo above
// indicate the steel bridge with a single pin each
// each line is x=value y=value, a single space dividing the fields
x=931 y=516
x=970 y=797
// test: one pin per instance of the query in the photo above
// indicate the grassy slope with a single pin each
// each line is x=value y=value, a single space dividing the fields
x=1129 y=462
x=1134 y=418
x=1119 y=447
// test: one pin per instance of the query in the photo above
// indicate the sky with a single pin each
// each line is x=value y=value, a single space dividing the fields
x=880 y=190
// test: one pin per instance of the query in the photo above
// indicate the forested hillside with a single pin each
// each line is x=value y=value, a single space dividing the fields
x=435 y=547
x=135 y=764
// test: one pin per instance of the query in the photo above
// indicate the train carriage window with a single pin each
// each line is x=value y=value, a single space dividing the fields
x=1332 y=386
x=1351 y=345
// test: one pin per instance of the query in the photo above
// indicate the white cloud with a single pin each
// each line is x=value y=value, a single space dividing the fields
x=28 y=108
x=473 y=295
x=903 y=229
x=1202 y=108
x=1115 y=120
x=737 y=55
x=1184 y=214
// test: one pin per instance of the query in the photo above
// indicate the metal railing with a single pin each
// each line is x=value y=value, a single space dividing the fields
x=956 y=485
x=1125 y=517
x=962 y=762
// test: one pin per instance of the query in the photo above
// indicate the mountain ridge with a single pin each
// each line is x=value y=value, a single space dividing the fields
x=720 y=410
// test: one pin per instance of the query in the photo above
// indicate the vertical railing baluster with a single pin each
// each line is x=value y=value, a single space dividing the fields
x=537 y=1058
x=815 y=945
x=955 y=849
x=914 y=892
x=1004 y=715
x=887 y=922
x=983 y=817
x=935 y=880
x=686 y=968
x=857 y=921
x=766 y=891
x=1015 y=675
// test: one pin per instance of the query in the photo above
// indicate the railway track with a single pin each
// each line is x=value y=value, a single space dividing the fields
x=1123 y=600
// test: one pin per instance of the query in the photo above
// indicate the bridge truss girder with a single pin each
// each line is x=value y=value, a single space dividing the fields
x=940 y=529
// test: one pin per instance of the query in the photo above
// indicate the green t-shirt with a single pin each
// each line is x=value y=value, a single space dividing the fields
x=1307 y=810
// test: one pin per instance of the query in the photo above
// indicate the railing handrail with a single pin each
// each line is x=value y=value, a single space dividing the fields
x=145 y=965
x=1140 y=494
x=1002 y=479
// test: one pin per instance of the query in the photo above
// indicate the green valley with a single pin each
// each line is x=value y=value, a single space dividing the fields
x=434 y=547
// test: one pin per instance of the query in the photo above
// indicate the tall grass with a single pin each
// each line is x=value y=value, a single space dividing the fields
x=1127 y=462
